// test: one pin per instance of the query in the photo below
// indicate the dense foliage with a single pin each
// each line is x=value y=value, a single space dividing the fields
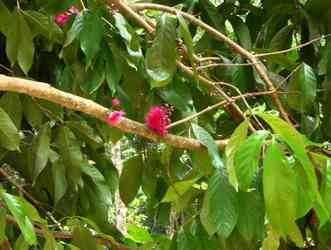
x=260 y=177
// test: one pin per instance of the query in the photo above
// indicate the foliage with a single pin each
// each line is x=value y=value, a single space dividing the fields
x=268 y=189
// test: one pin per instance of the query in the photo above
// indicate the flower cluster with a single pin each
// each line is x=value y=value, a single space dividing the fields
x=157 y=120
x=62 y=18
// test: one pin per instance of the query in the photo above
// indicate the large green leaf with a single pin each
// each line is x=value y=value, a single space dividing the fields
x=251 y=215
x=9 y=137
x=87 y=25
x=44 y=25
x=2 y=225
x=129 y=36
x=185 y=34
x=207 y=140
x=219 y=213
x=5 y=18
x=280 y=191
x=70 y=151
x=19 y=46
x=41 y=147
x=84 y=239
x=303 y=84
x=11 y=103
x=176 y=190
x=130 y=179
x=246 y=159
x=59 y=180
x=297 y=144
x=15 y=207
x=242 y=32
x=231 y=148
x=32 y=111
x=161 y=57
x=326 y=185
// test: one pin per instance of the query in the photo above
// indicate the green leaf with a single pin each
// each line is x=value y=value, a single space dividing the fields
x=296 y=142
x=138 y=234
x=246 y=159
x=185 y=34
x=272 y=241
x=130 y=179
x=251 y=215
x=326 y=185
x=32 y=111
x=5 y=18
x=129 y=36
x=282 y=39
x=280 y=190
x=231 y=148
x=59 y=179
x=176 y=190
x=92 y=172
x=242 y=32
x=304 y=83
x=21 y=244
x=83 y=238
x=15 y=207
x=207 y=140
x=95 y=77
x=11 y=104
x=113 y=71
x=86 y=25
x=44 y=25
x=2 y=225
x=219 y=213
x=9 y=137
x=71 y=154
x=41 y=150
x=160 y=59
x=19 y=46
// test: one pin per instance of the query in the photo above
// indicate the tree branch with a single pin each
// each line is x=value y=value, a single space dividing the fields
x=47 y=92
x=221 y=37
x=238 y=115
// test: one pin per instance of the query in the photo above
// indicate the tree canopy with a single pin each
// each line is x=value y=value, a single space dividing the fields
x=220 y=110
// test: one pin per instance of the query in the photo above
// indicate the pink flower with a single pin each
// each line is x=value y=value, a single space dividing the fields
x=73 y=10
x=157 y=120
x=115 y=102
x=61 y=19
x=115 y=117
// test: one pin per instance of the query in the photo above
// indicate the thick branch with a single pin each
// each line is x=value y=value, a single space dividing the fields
x=221 y=37
x=47 y=92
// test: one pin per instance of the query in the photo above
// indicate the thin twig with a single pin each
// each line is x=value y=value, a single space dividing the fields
x=220 y=104
x=82 y=4
x=292 y=49
x=221 y=37
x=214 y=65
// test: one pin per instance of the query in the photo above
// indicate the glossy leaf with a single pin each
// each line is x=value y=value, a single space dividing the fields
x=130 y=179
x=71 y=153
x=59 y=179
x=231 y=148
x=41 y=150
x=246 y=159
x=303 y=82
x=160 y=59
x=11 y=104
x=19 y=46
x=296 y=142
x=176 y=190
x=219 y=212
x=83 y=239
x=5 y=18
x=32 y=111
x=280 y=191
x=207 y=140
x=23 y=221
x=9 y=137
